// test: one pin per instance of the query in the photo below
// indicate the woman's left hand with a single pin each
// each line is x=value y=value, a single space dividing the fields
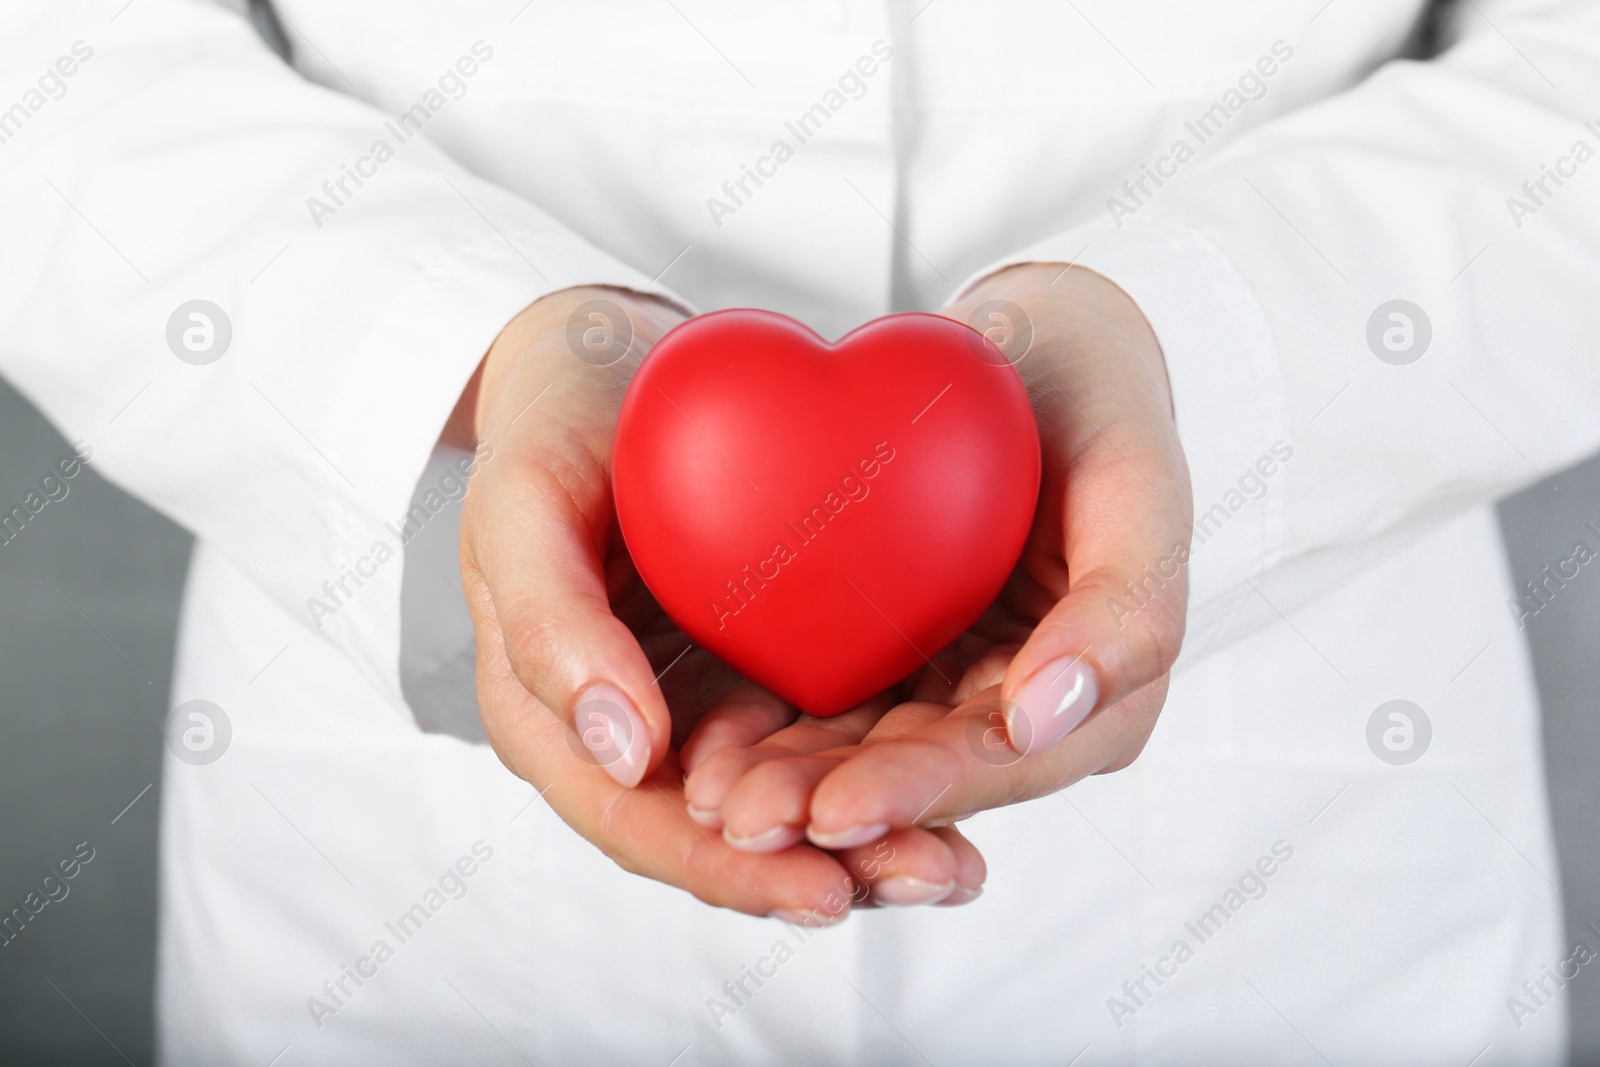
x=1066 y=672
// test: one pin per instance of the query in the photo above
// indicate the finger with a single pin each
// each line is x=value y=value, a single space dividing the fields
x=647 y=830
x=775 y=825
x=971 y=870
x=765 y=808
x=1117 y=490
x=535 y=531
x=906 y=718
x=954 y=766
x=696 y=684
x=995 y=631
x=740 y=720
x=741 y=717
x=988 y=670
x=765 y=791
x=904 y=867
x=534 y=566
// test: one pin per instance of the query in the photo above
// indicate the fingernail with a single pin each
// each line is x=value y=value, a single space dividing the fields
x=1050 y=704
x=813 y=917
x=904 y=891
x=710 y=819
x=614 y=733
x=774 y=840
x=854 y=836
x=961 y=895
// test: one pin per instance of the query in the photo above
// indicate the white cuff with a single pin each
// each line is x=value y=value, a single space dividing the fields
x=407 y=377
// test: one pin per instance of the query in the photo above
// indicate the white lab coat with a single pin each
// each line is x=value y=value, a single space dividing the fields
x=1407 y=905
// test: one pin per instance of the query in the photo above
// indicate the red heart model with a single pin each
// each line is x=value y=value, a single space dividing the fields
x=823 y=518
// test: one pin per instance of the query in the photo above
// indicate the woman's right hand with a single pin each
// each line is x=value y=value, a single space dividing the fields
x=584 y=685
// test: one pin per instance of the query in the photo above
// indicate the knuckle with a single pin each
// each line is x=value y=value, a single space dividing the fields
x=701 y=865
x=559 y=475
x=530 y=635
x=722 y=769
x=1161 y=636
x=610 y=840
x=1128 y=756
x=576 y=477
x=1148 y=620
x=1136 y=716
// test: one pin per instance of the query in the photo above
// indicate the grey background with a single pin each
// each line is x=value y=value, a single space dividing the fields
x=84 y=676
x=80 y=736
x=1540 y=527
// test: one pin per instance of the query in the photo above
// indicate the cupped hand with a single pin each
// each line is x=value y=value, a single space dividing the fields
x=1065 y=674
x=584 y=685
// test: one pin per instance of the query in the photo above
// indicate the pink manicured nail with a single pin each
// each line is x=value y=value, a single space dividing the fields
x=1050 y=704
x=614 y=733
x=774 y=840
x=905 y=891
x=711 y=820
x=852 y=837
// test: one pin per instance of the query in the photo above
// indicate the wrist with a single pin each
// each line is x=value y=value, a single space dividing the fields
x=1064 y=300
x=1038 y=285
x=545 y=332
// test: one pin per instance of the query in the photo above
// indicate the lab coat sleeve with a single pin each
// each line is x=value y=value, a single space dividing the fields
x=161 y=154
x=1318 y=441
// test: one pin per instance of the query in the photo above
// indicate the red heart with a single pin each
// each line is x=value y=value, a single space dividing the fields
x=824 y=517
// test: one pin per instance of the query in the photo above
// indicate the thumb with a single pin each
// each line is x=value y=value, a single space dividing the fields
x=535 y=530
x=1117 y=630
x=533 y=564
x=1124 y=538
